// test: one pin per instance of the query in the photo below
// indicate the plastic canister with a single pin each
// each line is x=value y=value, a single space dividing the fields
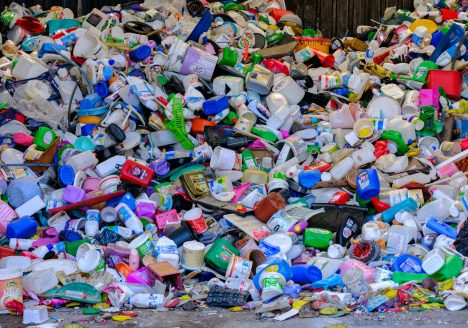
x=317 y=237
x=11 y=289
x=408 y=263
x=279 y=117
x=452 y=268
x=290 y=89
x=433 y=261
x=438 y=209
x=367 y=182
x=193 y=253
x=362 y=157
x=129 y=218
x=411 y=103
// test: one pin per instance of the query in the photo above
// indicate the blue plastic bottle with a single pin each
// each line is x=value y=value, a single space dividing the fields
x=408 y=204
x=441 y=228
x=304 y=273
x=367 y=182
x=24 y=227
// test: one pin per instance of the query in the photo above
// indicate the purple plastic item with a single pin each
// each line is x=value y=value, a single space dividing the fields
x=146 y=209
x=73 y=194
x=199 y=62
x=141 y=276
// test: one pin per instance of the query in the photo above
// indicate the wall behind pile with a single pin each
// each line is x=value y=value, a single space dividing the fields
x=333 y=17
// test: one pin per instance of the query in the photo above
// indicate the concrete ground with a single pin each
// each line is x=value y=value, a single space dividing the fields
x=212 y=318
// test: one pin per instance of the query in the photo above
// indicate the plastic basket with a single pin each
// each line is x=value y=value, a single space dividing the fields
x=319 y=44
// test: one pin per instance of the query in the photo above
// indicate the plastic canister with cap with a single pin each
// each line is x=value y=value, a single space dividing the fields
x=275 y=100
x=279 y=117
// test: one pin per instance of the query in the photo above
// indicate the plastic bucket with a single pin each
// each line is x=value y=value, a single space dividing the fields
x=143 y=245
x=11 y=290
x=195 y=220
x=272 y=284
x=451 y=81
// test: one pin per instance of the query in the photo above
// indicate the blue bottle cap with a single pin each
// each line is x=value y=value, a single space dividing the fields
x=66 y=175
x=87 y=129
x=101 y=89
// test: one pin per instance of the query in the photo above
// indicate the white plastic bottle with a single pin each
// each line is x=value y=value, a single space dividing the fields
x=129 y=218
x=146 y=300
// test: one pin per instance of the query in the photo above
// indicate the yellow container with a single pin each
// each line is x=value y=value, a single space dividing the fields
x=319 y=44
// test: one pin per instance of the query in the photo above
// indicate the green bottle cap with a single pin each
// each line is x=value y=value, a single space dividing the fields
x=309 y=32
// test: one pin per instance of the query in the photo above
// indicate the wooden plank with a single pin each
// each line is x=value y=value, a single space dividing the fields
x=342 y=22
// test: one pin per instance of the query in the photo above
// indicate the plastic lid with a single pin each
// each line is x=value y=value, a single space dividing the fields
x=66 y=175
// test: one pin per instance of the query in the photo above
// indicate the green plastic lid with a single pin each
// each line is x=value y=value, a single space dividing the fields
x=309 y=32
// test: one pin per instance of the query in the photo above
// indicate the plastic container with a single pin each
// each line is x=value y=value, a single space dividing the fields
x=408 y=204
x=35 y=314
x=220 y=253
x=441 y=228
x=367 y=182
x=451 y=81
x=41 y=281
x=340 y=170
x=433 y=261
x=408 y=263
x=22 y=228
x=452 y=268
x=355 y=282
x=306 y=273
x=11 y=290
x=317 y=238
x=355 y=264
x=272 y=284
x=438 y=209
x=143 y=245
x=399 y=237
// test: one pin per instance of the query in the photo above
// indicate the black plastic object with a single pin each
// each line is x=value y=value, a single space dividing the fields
x=115 y=132
x=226 y=297
x=195 y=8
x=236 y=143
x=336 y=215
x=347 y=230
x=181 y=235
x=461 y=243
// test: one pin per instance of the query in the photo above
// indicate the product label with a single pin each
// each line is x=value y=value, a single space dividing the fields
x=272 y=284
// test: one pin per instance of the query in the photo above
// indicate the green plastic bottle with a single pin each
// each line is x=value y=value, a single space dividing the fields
x=264 y=133
x=248 y=160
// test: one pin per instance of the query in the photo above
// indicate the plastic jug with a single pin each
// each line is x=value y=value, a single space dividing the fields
x=452 y=268
x=433 y=261
x=367 y=182
x=273 y=264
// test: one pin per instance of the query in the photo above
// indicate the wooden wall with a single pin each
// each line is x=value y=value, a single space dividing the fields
x=332 y=17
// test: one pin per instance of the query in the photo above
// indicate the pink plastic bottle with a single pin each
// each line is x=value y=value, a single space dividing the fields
x=354 y=264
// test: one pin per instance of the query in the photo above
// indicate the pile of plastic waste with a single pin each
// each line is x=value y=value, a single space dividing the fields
x=199 y=154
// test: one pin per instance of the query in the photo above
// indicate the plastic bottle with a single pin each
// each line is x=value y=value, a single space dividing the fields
x=134 y=260
x=367 y=182
x=408 y=204
x=418 y=177
x=146 y=300
x=441 y=228
x=129 y=218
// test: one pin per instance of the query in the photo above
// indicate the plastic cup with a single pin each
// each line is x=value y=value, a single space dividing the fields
x=195 y=220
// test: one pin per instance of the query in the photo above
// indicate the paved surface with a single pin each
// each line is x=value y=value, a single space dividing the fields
x=223 y=319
